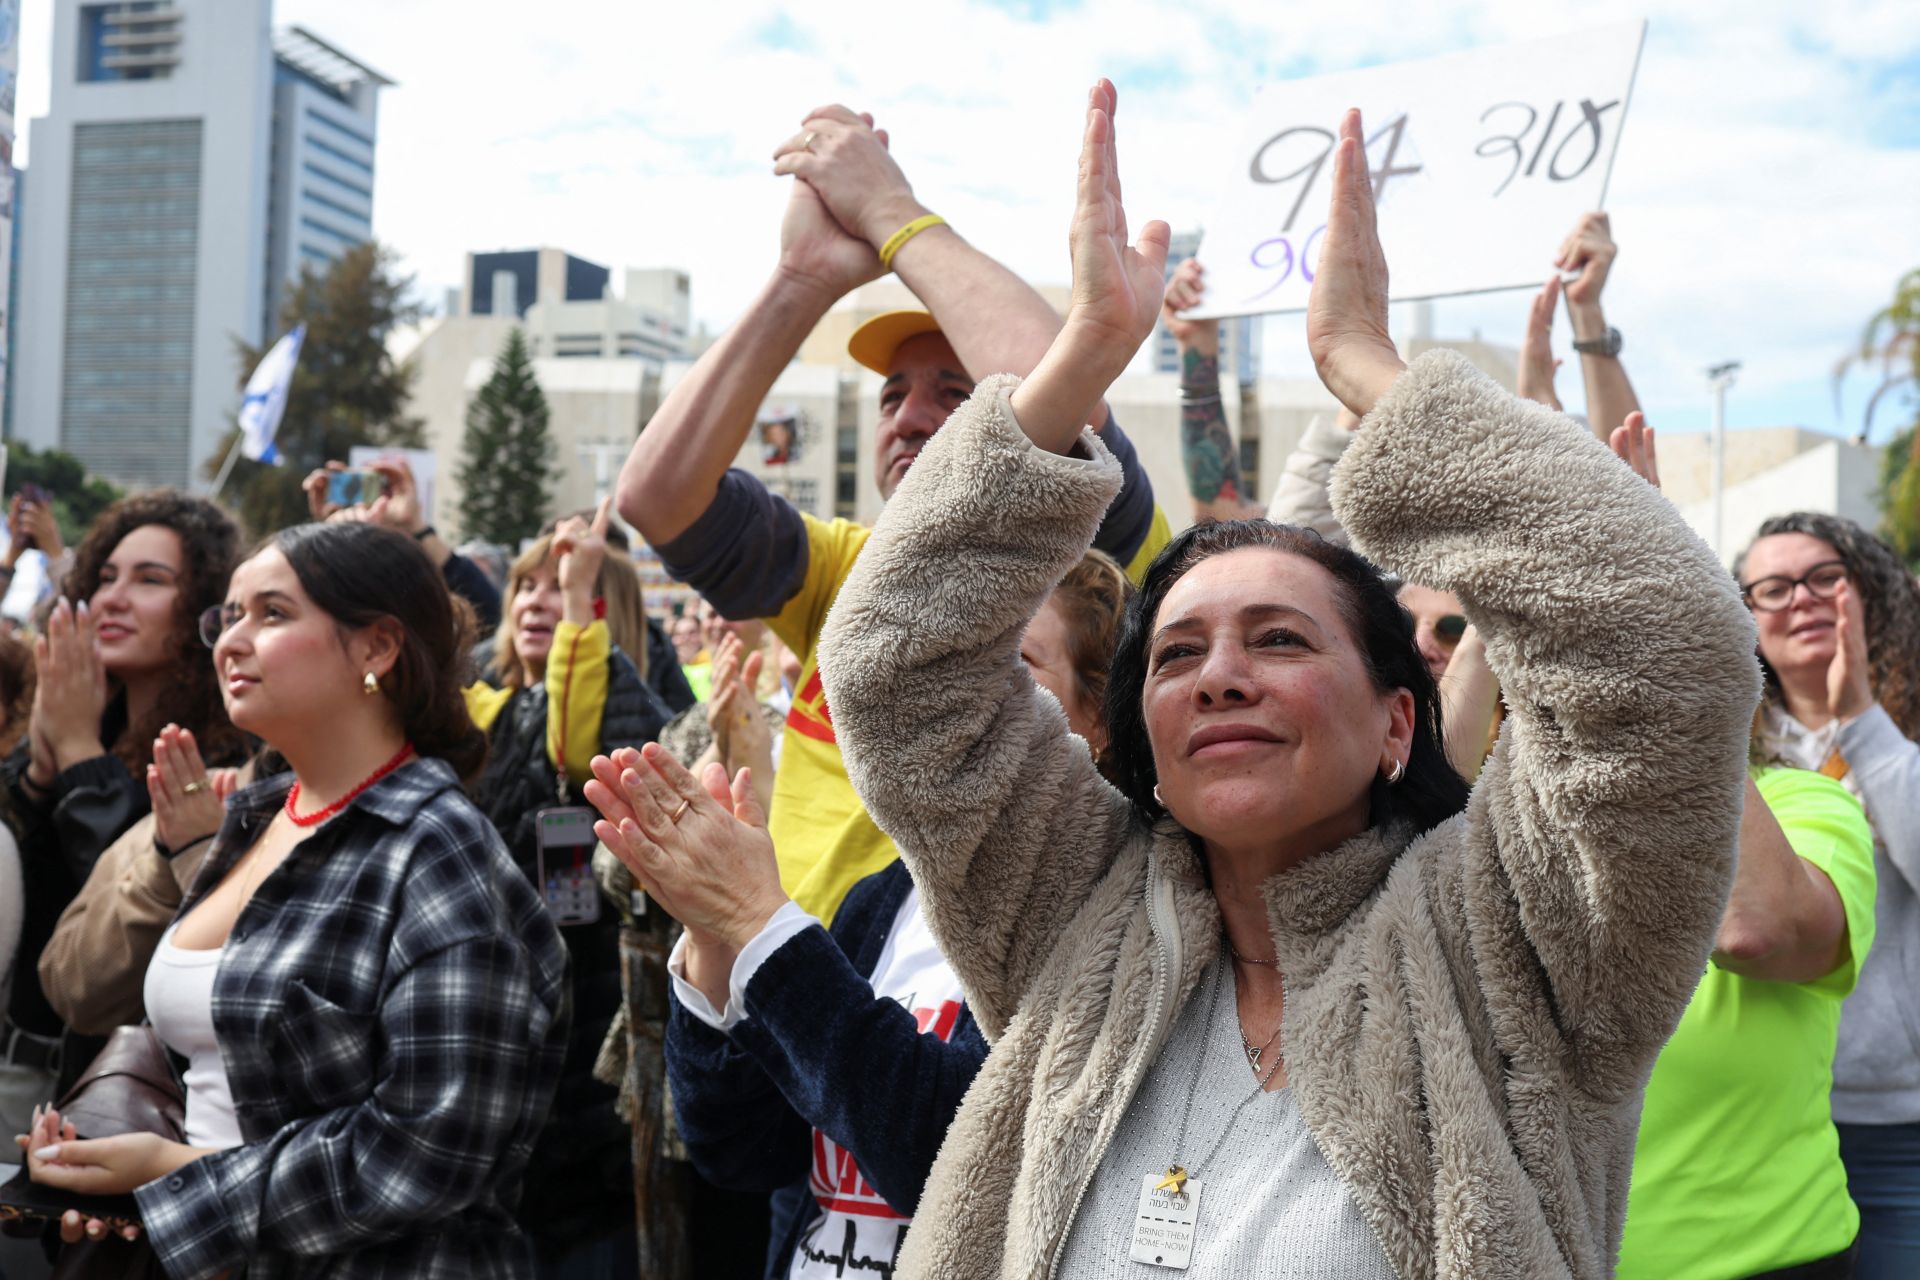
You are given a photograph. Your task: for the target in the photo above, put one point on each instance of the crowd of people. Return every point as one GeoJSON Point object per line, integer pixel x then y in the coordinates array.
{"type": "Point", "coordinates": [1444, 868]}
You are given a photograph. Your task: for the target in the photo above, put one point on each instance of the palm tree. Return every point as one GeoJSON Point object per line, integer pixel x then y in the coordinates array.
{"type": "Point", "coordinates": [1891, 343]}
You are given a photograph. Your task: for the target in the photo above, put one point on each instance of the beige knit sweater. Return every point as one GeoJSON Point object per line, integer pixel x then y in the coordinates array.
{"type": "Point", "coordinates": [1471, 1011]}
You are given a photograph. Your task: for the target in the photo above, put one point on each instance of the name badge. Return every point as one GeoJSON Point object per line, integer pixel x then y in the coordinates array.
{"type": "Point", "coordinates": [1164, 1224]}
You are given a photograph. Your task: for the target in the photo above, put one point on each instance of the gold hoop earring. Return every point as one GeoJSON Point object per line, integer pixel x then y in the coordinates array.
{"type": "Point", "coordinates": [371, 685]}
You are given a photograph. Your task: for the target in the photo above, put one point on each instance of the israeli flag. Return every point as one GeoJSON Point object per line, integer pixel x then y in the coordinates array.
{"type": "Point", "coordinates": [266, 398]}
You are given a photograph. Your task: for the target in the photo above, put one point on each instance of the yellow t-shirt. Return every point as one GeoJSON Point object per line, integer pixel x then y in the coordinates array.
{"type": "Point", "coordinates": [826, 841]}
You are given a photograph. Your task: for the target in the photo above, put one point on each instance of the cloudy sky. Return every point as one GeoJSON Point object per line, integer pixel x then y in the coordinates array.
{"type": "Point", "coordinates": [1766, 194]}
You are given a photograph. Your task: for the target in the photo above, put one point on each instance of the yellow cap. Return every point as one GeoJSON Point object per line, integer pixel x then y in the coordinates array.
{"type": "Point", "coordinates": [874, 342]}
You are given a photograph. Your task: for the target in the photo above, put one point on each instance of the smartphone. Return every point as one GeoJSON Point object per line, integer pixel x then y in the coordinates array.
{"type": "Point", "coordinates": [32, 495]}
{"type": "Point", "coordinates": [564, 841]}
{"type": "Point", "coordinates": [352, 487]}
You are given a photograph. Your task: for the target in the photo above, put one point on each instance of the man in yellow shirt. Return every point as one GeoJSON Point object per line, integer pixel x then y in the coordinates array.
{"type": "Point", "coordinates": [851, 217]}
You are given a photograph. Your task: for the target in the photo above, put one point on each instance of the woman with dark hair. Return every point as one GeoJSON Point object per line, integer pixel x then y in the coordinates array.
{"type": "Point", "coordinates": [370, 997]}
{"type": "Point", "coordinates": [1839, 621]}
{"type": "Point", "coordinates": [824, 1065]}
{"type": "Point", "coordinates": [1285, 999]}
{"type": "Point", "coordinates": [120, 660]}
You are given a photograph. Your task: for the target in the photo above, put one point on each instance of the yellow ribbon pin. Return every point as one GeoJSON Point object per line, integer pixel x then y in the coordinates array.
{"type": "Point", "coordinates": [1176, 1179]}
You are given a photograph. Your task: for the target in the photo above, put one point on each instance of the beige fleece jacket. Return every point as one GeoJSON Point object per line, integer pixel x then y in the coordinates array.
{"type": "Point", "coordinates": [1471, 1011]}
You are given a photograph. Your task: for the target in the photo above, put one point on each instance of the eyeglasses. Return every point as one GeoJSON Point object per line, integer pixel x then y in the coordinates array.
{"type": "Point", "coordinates": [1772, 594]}
{"type": "Point", "coordinates": [1448, 628]}
{"type": "Point", "coordinates": [214, 622]}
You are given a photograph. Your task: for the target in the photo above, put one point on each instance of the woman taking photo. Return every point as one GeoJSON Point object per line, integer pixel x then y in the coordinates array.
{"type": "Point", "coordinates": [369, 994]}
{"type": "Point", "coordinates": [1284, 998]}
{"type": "Point", "coordinates": [1839, 619]}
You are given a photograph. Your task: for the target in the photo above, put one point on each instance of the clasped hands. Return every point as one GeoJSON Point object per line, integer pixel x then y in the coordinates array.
{"type": "Point", "coordinates": [70, 695]}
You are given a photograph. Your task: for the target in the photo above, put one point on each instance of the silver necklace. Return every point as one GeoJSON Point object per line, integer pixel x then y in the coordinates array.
{"type": "Point", "coordinates": [1177, 1173]}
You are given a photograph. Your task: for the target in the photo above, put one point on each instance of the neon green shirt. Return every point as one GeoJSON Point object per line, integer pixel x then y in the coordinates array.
{"type": "Point", "coordinates": [1737, 1169]}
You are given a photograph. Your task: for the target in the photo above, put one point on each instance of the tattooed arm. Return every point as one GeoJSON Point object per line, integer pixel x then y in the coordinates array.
{"type": "Point", "coordinates": [1207, 448]}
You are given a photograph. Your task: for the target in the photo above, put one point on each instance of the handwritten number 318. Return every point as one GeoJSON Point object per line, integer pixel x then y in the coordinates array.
{"type": "Point", "coordinates": [1587, 127]}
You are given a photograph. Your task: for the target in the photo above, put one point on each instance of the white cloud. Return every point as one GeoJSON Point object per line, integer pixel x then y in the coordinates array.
{"type": "Point", "coordinates": [1763, 195]}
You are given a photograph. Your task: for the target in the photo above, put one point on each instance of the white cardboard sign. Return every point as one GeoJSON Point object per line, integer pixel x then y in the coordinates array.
{"type": "Point", "coordinates": [1482, 162]}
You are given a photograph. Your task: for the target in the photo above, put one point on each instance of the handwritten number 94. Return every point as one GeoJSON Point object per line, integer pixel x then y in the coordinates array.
{"type": "Point", "coordinates": [1318, 145]}
{"type": "Point", "coordinates": [1561, 167]}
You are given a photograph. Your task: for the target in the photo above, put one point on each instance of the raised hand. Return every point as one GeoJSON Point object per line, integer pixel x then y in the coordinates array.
{"type": "Point", "coordinates": [1633, 443]}
{"type": "Point", "coordinates": [1347, 308]}
{"type": "Point", "coordinates": [815, 247]}
{"type": "Point", "coordinates": [699, 847]}
{"type": "Point", "coordinates": [1185, 291]}
{"type": "Point", "coordinates": [399, 507]}
{"type": "Point", "coordinates": [1850, 674]}
{"type": "Point", "coordinates": [1589, 250]}
{"type": "Point", "coordinates": [580, 548]}
{"type": "Point", "coordinates": [1117, 286]}
{"type": "Point", "coordinates": [189, 802]}
{"type": "Point", "coordinates": [71, 694]}
{"type": "Point", "coordinates": [843, 157]}
{"type": "Point", "coordinates": [1117, 289]}
{"type": "Point", "coordinates": [1537, 362]}
{"type": "Point", "coordinates": [315, 487]}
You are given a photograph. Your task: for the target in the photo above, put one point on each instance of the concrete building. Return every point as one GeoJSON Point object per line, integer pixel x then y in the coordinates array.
{"type": "Point", "coordinates": [168, 208]}
{"type": "Point", "coordinates": [508, 281]}
{"type": "Point", "coordinates": [649, 323]}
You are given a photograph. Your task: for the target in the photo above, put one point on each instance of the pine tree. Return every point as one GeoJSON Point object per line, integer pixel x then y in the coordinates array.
{"type": "Point", "coordinates": [346, 391]}
{"type": "Point", "coordinates": [506, 457]}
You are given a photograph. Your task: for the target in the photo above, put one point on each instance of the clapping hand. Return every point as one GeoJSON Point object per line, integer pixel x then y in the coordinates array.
{"type": "Point", "coordinates": [732, 710]}
{"type": "Point", "coordinates": [1850, 673]}
{"type": "Point", "coordinates": [1117, 291]}
{"type": "Point", "coordinates": [1537, 362]}
{"type": "Point", "coordinates": [699, 847]}
{"type": "Point", "coordinates": [1632, 442]}
{"type": "Point", "coordinates": [70, 696]}
{"type": "Point", "coordinates": [189, 800]}
{"type": "Point", "coordinates": [1347, 309]}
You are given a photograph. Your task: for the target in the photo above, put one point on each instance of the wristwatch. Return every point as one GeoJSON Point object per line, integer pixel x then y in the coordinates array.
{"type": "Point", "coordinates": [1608, 346]}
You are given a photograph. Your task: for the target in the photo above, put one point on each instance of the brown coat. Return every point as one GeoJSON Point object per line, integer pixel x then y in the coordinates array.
{"type": "Point", "coordinates": [1472, 1011]}
{"type": "Point", "coordinates": [94, 968]}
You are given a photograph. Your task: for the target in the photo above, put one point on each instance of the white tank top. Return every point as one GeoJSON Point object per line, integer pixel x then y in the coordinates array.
{"type": "Point", "coordinates": [179, 996]}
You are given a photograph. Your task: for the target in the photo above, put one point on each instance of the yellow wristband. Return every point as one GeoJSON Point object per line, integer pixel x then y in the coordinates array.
{"type": "Point", "coordinates": [906, 233]}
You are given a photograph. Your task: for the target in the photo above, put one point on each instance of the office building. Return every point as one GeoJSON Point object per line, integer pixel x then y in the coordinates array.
{"type": "Point", "coordinates": [192, 162]}
{"type": "Point", "coordinates": [1239, 335]}
{"type": "Point", "coordinates": [508, 281]}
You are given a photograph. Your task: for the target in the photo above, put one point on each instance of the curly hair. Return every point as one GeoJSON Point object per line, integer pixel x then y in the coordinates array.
{"type": "Point", "coordinates": [210, 547]}
{"type": "Point", "coordinates": [1889, 598]}
{"type": "Point", "coordinates": [1092, 600]}
{"type": "Point", "coordinates": [17, 679]}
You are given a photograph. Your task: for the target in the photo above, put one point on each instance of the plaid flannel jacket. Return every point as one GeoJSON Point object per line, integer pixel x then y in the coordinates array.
{"type": "Point", "coordinates": [392, 1010]}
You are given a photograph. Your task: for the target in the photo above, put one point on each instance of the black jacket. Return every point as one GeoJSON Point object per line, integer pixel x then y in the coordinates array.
{"type": "Point", "coordinates": [580, 1179]}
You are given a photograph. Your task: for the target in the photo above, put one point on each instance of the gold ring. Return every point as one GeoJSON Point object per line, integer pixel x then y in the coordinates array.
{"type": "Point", "coordinates": [196, 786]}
{"type": "Point", "coordinates": [807, 143]}
{"type": "Point", "coordinates": [680, 812]}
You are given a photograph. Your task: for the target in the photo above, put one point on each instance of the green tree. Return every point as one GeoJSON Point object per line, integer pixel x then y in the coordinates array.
{"type": "Point", "coordinates": [506, 457]}
{"type": "Point", "coordinates": [1891, 344]}
{"type": "Point", "coordinates": [77, 497]}
{"type": "Point", "coordinates": [346, 391]}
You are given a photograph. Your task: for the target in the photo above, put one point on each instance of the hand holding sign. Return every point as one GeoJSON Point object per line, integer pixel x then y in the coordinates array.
{"type": "Point", "coordinates": [1474, 158]}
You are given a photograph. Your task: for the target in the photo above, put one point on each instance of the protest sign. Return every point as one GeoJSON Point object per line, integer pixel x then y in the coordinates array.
{"type": "Point", "coordinates": [1481, 161]}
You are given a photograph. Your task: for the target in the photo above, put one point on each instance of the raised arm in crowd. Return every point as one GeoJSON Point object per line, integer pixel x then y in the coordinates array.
{"type": "Point", "coordinates": [1464, 998]}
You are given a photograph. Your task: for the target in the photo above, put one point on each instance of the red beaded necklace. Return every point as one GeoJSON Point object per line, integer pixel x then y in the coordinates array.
{"type": "Point", "coordinates": [316, 818]}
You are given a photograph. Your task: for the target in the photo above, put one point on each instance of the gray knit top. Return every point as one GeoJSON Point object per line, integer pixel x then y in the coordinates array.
{"type": "Point", "coordinates": [1270, 1206]}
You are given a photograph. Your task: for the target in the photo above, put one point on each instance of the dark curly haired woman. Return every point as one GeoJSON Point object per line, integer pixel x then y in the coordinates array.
{"type": "Point", "coordinates": [120, 659]}
{"type": "Point", "coordinates": [1839, 618]}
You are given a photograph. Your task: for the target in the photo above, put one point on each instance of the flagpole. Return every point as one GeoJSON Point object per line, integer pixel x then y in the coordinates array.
{"type": "Point", "coordinates": [226, 469]}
